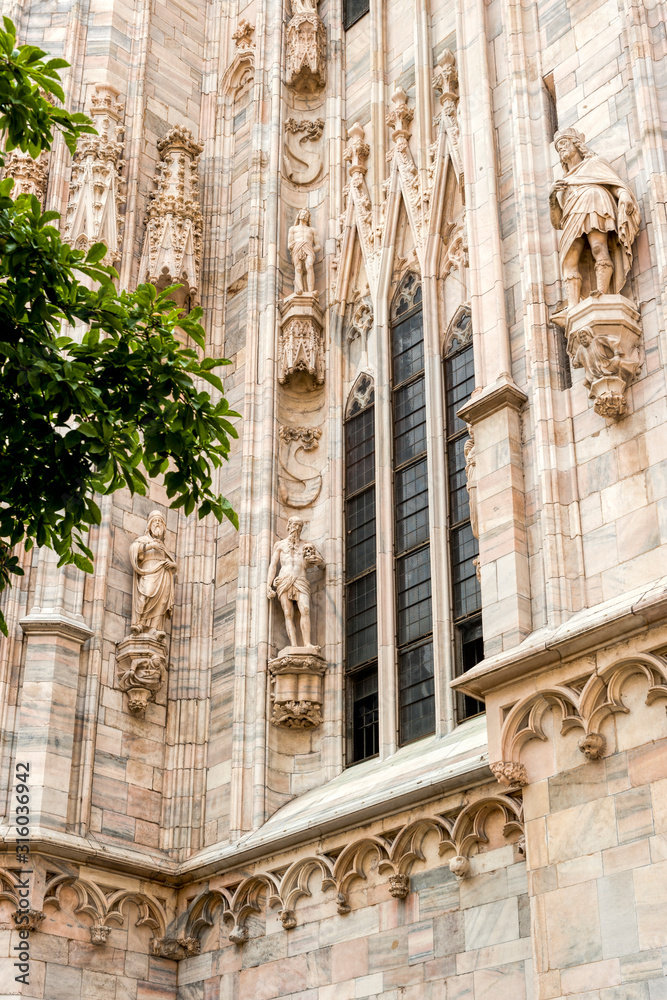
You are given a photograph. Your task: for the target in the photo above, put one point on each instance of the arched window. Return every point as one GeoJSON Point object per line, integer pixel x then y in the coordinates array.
{"type": "Point", "coordinates": [412, 560]}
{"type": "Point", "coordinates": [463, 548]}
{"type": "Point", "coordinates": [360, 574]}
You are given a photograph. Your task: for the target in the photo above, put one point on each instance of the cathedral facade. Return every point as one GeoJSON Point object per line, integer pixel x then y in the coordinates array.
{"type": "Point", "coordinates": [402, 735]}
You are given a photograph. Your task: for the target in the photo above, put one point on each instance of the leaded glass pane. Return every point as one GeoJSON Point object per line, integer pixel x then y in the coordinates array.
{"type": "Point", "coordinates": [465, 585]}
{"type": "Point", "coordinates": [365, 713]}
{"type": "Point", "coordinates": [360, 533]}
{"type": "Point", "coordinates": [361, 620]}
{"type": "Point", "coordinates": [416, 693]}
{"type": "Point", "coordinates": [459, 384]}
{"type": "Point", "coordinates": [360, 450]}
{"type": "Point", "coordinates": [413, 585]}
{"type": "Point", "coordinates": [409, 421]}
{"type": "Point", "coordinates": [459, 509]}
{"type": "Point", "coordinates": [354, 9]}
{"type": "Point", "coordinates": [411, 491]}
{"type": "Point", "coordinates": [407, 344]}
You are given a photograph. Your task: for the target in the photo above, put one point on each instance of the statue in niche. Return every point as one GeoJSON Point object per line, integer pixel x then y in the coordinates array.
{"type": "Point", "coordinates": [291, 585]}
{"type": "Point", "coordinates": [154, 571]}
{"type": "Point", "coordinates": [592, 206]}
{"type": "Point", "coordinates": [302, 244]}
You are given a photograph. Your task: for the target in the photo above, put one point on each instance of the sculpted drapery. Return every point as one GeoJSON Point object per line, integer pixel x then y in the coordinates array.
{"type": "Point", "coordinates": [154, 570]}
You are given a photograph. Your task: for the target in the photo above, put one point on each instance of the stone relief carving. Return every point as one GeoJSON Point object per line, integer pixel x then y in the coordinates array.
{"type": "Point", "coordinates": [362, 317]}
{"type": "Point", "coordinates": [302, 158]}
{"type": "Point", "coordinates": [356, 154]}
{"type": "Point", "coordinates": [460, 834]}
{"type": "Point", "coordinates": [176, 948]}
{"type": "Point", "coordinates": [297, 689]}
{"type": "Point", "coordinates": [598, 218]}
{"type": "Point", "coordinates": [583, 706]}
{"type": "Point", "coordinates": [446, 85]}
{"type": "Point", "coordinates": [93, 211]}
{"type": "Point", "coordinates": [34, 918]}
{"type": "Point", "coordinates": [301, 342]}
{"type": "Point", "coordinates": [509, 774]}
{"type": "Point", "coordinates": [361, 395]}
{"type": "Point", "coordinates": [172, 244]}
{"type": "Point", "coordinates": [306, 47]}
{"type": "Point", "coordinates": [30, 176]}
{"type": "Point", "coordinates": [142, 656]}
{"type": "Point", "coordinates": [299, 485]}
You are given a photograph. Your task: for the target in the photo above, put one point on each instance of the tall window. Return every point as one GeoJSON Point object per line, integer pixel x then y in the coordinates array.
{"type": "Point", "coordinates": [463, 547]}
{"type": "Point", "coordinates": [361, 587]}
{"type": "Point", "coordinates": [416, 687]}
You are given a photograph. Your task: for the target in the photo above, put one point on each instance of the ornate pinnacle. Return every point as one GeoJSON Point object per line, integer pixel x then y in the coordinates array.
{"type": "Point", "coordinates": [358, 150]}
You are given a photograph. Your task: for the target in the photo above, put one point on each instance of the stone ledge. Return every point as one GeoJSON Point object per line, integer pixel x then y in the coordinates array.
{"type": "Point", "coordinates": [501, 394]}
{"type": "Point", "coordinates": [585, 631]}
{"type": "Point", "coordinates": [40, 622]}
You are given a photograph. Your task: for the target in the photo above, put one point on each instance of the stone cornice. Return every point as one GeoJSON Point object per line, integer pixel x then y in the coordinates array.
{"type": "Point", "coordinates": [582, 633]}
{"type": "Point", "coordinates": [501, 394]}
{"type": "Point", "coordinates": [55, 623]}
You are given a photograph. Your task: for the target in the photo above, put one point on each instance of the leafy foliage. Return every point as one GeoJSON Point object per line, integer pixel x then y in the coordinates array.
{"type": "Point", "coordinates": [122, 405]}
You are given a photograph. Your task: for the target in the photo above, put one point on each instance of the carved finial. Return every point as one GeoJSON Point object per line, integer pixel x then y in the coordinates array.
{"type": "Point", "coordinates": [400, 118]}
{"type": "Point", "coordinates": [357, 151]}
{"type": "Point", "coordinates": [243, 36]}
{"type": "Point", "coordinates": [446, 79]}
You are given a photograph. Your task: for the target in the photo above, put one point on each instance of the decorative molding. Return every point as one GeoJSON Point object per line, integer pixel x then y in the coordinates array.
{"type": "Point", "coordinates": [399, 121]}
{"type": "Point", "coordinates": [106, 906]}
{"type": "Point", "coordinates": [362, 394]}
{"type": "Point", "coordinates": [141, 668]}
{"type": "Point", "coordinates": [30, 176]}
{"type": "Point", "coordinates": [302, 158]}
{"type": "Point", "coordinates": [361, 322]}
{"type": "Point", "coordinates": [35, 918]}
{"type": "Point", "coordinates": [243, 36]}
{"type": "Point", "coordinates": [173, 241]}
{"type": "Point", "coordinates": [93, 211]}
{"type": "Point", "coordinates": [584, 706]}
{"type": "Point", "coordinates": [459, 833]}
{"type": "Point", "coordinates": [306, 46]}
{"type": "Point", "coordinates": [356, 154]}
{"type": "Point", "coordinates": [175, 948]}
{"type": "Point", "coordinates": [301, 340]}
{"type": "Point", "coordinates": [297, 689]}
{"type": "Point", "coordinates": [44, 622]}
{"type": "Point", "coordinates": [446, 85]}
{"type": "Point", "coordinates": [298, 485]}
{"type": "Point", "coordinates": [497, 396]}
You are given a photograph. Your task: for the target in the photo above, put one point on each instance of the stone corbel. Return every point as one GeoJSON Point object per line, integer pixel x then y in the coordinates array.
{"type": "Point", "coordinates": [301, 340]}
{"type": "Point", "coordinates": [173, 241]}
{"type": "Point", "coordinates": [306, 43]}
{"type": "Point", "coordinates": [175, 948]}
{"type": "Point", "coordinates": [141, 668]}
{"type": "Point", "coordinates": [603, 337]}
{"type": "Point", "coordinates": [297, 689]}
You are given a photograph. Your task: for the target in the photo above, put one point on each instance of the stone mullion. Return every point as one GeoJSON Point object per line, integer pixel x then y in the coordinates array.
{"type": "Point", "coordinates": [562, 576]}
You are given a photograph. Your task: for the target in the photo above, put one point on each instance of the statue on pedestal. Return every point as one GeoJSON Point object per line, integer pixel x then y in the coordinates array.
{"type": "Point", "coordinates": [599, 218]}
{"type": "Point", "coordinates": [302, 244]}
{"type": "Point", "coordinates": [154, 571]}
{"type": "Point", "coordinates": [291, 585]}
{"type": "Point", "coordinates": [592, 207]}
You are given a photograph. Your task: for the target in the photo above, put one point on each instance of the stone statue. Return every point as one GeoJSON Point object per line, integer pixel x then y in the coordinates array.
{"type": "Point", "coordinates": [305, 7]}
{"type": "Point", "coordinates": [471, 479]}
{"type": "Point", "coordinates": [592, 206]}
{"type": "Point", "coordinates": [302, 244]}
{"type": "Point", "coordinates": [154, 571]}
{"type": "Point", "coordinates": [291, 585]}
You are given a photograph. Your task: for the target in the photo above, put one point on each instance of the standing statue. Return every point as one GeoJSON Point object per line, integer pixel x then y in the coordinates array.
{"type": "Point", "coordinates": [302, 244]}
{"type": "Point", "coordinates": [291, 585]}
{"type": "Point", "coordinates": [592, 206]}
{"type": "Point", "coordinates": [154, 571]}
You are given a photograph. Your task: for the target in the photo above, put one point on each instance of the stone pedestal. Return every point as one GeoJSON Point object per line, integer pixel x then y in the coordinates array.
{"type": "Point", "coordinates": [297, 687]}
{"type": "Point", "coordinates": [603, 336]}
{"type": "Point", "coordinates": [141, 667]}
{"type": "Point", "coordinates": [306, 43]}
{"type": "Point", "coordinates": [301, 343]}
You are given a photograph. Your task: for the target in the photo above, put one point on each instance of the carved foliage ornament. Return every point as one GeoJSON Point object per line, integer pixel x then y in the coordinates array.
{"type": "Point", "coordinates": [299, 484]}
{"type": "Point", "coordinates": [30, 176]}
{"type": "Point", "coordinates": [173, 241]}
{"type": "Point", "coordinates": [460, 834]}
{"type": "Point", "coordinates": [243, 36]}
{"type": "Point", "coordinates": [93, 211]}
{"type": "Point", "coordinates": [302, 160]}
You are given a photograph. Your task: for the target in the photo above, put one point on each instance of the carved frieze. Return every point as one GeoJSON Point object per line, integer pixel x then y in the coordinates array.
{"type": "Point", "coordinates": [172, 243]}
{"type": "Point", "coordinates": [306, 44]}
{"type": "Point", "coordinates": [302, 157]}
{"type": "Point", "coordinates": [93, 211]}
{"type": "Point", "coordinates": [30, 176]}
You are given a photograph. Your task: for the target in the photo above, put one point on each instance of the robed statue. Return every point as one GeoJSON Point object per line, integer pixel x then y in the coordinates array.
{"type": "Point", "coordinates": [154, 570]}
{"type": "Point", "coordinates": [594, 209]}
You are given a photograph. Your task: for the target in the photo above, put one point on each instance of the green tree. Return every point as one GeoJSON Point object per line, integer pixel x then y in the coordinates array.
{"type": "Point", "coordinates": [121, 406]}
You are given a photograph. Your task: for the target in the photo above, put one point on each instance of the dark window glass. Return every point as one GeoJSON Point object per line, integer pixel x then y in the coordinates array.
{"type": "Point", "coordinates": [458, 494]}
{"type": "Point", "coordinates": [365, 717]}
{"type": "Point", "coordinates": [411, 496]}
{"type": "Point", "coordinates": [459, 384]}
{"type": "Point", "coordinates": [416, 692]}
{"type": "Point", "coordinates": [409, 421]}
{"type": "Point", "coordinates": [470, 651]}
{"type": "Point", "coordinates": [463, 550]}
{"type": "Point", "coordinates": [361, 620]}
{"type": "Point", "coordinates": [407, 340]}
{"type": "Point", "coordinates": [360, 532]}
{"type": "Point", "coordinates": [360, 451]}
{"type": "Point", "coordinates": [413, 586]}
{"type": "Point", "coordinates": [354, 9]}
